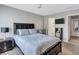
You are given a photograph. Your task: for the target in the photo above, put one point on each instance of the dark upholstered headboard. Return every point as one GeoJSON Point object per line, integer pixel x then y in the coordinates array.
{"type": "Point", "coordinates": [22, 26]}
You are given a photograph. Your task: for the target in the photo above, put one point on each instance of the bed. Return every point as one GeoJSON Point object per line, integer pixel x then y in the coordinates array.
{"type": "Point", "coordinates": [36, 44]}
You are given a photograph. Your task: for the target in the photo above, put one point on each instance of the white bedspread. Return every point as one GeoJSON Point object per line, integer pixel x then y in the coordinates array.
{"type": "Point", "coordinates": [35, 43]}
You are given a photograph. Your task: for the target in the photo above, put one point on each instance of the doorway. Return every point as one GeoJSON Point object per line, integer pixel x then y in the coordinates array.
{"type": "Point", "coordinates": [71, 47]}
{"type": "Point", "coordinates": [73, 25]}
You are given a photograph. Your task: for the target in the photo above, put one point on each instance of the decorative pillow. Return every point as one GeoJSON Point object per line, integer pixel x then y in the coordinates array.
{"type": "Point", "coordinates": [22, 32]}
{"type": "Point", "coordinates": [32, 31]}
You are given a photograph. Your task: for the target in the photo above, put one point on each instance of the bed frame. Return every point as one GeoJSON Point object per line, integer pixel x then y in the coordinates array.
{"type": "Point", "coordinates": [53, 50]}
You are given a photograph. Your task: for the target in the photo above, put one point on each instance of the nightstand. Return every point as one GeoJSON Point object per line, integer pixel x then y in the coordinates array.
{"type": "Point", "coordinates": [6, 45]}
{"type": "Point", "coordinates": [41, 31]}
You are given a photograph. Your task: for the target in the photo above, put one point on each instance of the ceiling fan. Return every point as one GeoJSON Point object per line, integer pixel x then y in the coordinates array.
{"type": "Point", "coordinates": [40, 6]}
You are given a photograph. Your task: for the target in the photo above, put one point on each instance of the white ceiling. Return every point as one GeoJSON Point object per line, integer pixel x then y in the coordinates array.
{"type": "Point", "coordinates": [47, 9]}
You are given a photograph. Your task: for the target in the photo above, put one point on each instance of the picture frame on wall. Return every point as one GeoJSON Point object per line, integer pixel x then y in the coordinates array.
{"type": "Point", "coordinates": [76, 25]}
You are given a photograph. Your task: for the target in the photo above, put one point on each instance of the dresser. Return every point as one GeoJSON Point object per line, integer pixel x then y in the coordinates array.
{"type": "Point", "coordinates": [6, 45]}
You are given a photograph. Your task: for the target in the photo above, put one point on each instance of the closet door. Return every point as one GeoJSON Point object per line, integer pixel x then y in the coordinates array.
{"type": "Point", "coordinates": [51, 26]}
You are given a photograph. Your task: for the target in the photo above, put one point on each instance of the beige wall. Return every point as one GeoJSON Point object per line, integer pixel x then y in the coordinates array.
{"type": "Point", "coordinates": [9, 15]}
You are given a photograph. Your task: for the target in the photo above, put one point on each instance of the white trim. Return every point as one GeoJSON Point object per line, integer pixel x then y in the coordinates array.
{"type": "Point", "coordinates": [73, 14]}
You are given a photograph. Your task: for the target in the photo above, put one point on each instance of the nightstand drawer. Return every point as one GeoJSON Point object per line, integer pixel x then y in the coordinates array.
{"type": "Point", "coordinates": [1, 47]}
{"type": "Point", "coordinates": [6, 45]}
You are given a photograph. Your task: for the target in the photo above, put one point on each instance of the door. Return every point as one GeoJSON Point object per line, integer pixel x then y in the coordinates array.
{"type": "Point", "coordinates": [51, 26]}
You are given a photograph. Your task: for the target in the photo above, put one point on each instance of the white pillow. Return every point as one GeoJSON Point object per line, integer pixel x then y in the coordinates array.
{"type": "Point", "coordinates": [32, 31]}
{"type": "Point", "coordinates": [22, 32]}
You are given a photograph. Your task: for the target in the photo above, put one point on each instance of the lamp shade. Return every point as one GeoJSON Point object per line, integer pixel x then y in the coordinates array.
{"type": "Point", "coordinates": [4, 29]}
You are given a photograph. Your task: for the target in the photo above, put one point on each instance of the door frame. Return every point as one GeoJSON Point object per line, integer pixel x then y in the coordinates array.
{"type": "Point", "coordinates": [68, 26]}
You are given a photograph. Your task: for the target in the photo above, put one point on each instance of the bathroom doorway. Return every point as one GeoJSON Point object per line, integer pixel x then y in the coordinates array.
{"type": "Point", "coordinates": [73, 28]}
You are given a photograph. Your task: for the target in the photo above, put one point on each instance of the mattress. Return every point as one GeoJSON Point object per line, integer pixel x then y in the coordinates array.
{"type": "Point", "coordinates": [35, 44]}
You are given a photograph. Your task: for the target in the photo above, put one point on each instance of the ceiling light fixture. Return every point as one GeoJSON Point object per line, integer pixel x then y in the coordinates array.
{"type": "Point", "coordinates": [40, 6]}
